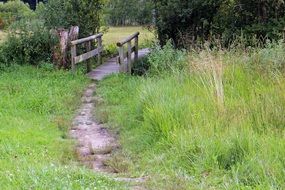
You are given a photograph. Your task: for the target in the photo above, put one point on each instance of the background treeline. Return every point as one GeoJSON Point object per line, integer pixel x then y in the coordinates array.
{"type": "Point", "coordinates": [224, 19]}
{"type": "Point", "coordinates": [129, 12]}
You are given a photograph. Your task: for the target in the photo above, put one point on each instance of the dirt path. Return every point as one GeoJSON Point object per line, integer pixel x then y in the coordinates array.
{"type": "Point", "coordinates": [95, 143]}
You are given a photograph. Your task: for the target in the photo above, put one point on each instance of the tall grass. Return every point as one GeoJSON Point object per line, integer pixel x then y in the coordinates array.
{"type": "Point", "coordinates": [218, 123]}
{"type": "Point", "coordinates": [36, 108]}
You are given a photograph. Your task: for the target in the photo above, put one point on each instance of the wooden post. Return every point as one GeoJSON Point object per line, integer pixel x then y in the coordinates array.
{"type": "Point", "coordinates": [99, 50]}
{"type": "Point", "coordinates": [136, 48]}
{"type": "Point", "coordinates": [121, 58]}
{"type": "Point", "coordinates": [127, 67]}
{"type": "Point", "coordinates": [72, 35]}
{"type": "Point", "coordinates": [88, 62]}
{"type": "Point", "coordinates": [73, 55]}
{"type": "Point", "coordinates": [129, 59]}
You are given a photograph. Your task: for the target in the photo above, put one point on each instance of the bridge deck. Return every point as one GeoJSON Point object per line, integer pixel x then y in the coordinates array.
{"type": "Point", "coordinates": [111, 66]}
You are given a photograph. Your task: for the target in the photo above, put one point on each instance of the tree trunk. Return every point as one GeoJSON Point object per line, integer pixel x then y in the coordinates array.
{"type": "Point", "coordinates": [61, 57]}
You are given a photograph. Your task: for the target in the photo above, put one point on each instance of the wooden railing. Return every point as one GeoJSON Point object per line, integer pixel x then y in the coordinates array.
{"type": "Point", "coordinates": [126, 65]}
{"type": "Point", "coordinates": [75, 59]}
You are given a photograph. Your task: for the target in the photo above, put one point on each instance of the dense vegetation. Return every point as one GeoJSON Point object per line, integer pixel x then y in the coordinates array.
{"type": "Point", "coordinates": [207, 120]}
{"type": "Point", "coordinates": [199, 20]}
{"type": "Point", "coordinates": [30, 40]}
{"type": "Point", "coordinates": [13, 11]}
{"type": "Point", "coordinates": [129, 12]}
{"type": "Point", "coordinates": [65, 13]}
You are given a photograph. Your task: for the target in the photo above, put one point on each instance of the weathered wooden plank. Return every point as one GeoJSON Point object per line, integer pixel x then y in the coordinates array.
{"type": "Point", "coordinates": [88, 64]}
{"type": "Point", "coordinates": [90, 38]}
{"type": "Point", "coordinates": [121, 55]}
{"type": "Point", "coordinates": [129, 57]}
{"type": "Point", "coordinates": [73, 55]}
{"type": "Point", "coordinates": [121, 43]}
{"type": "Point", "coordinates": [111, 66]}
{"type": "Point", "coordinates": [136, 48]}
{"type": "Point", "coordinates": [87, 55]}
{"type": "Point", "coordinates": [100, 47]}
{"type": "Point", "coordinates": [125, 54]}
{"type": "Point", "coordinates": [126, 66]}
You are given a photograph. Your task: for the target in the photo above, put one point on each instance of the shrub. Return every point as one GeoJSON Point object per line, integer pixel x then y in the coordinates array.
{"type": "Point", "coordinates": [65, 13]}
{"type": "Point", "coordinates": [29, 41]}
{"type": "Point", "coordinates": [166, 59]}
{"type": "Point", "coordinates": [200, 20]}
{"type": "Point", "coordinates": [13, 11]}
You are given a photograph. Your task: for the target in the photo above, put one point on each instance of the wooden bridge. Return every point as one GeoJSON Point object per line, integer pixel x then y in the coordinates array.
{"type": "Point", "coordinates": [128, 54]}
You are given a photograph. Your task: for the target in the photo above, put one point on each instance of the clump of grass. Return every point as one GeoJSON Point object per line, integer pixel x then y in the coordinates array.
{"type": "Point", "coordinates": [174, 128]}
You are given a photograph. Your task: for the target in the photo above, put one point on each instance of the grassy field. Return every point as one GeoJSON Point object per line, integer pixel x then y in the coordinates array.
{"type": "Point", "coordinates": [217, 122]}
{"type": "Point", "coordinates": [37, 106]}
{"type": "Point", "coordinates": [36, 109]}
{"type": "Point", "coordinates": [116, 34]}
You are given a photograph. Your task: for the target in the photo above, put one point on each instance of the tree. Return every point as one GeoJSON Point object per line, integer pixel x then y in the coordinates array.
{"type": "Point", "coordinates": [129, 12]}
{"type": "Point", "coordinates": [174, 19]}
{"type": "Point", "coordinates": [66, 13]}
{"type": "Point", "coordinates": [182, 20]}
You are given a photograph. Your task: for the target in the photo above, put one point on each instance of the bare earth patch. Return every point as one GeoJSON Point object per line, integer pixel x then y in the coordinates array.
{"type": "Point", "coordinates": [95, 142]}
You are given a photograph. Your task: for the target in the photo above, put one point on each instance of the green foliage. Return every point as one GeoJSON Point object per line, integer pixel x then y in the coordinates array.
{"type": "Point", "coordinates": [129, 12]}
{"type": "Point", "coordinates": [28, 42]}
{"type": "Point", "coordinates": [65, 13]}
{"type": "Point", "coordinates": [175, 19]}
{"type": "Point", "coordinates": [166, 59]}
{"type": "Point", "coordinates": [13, 11]}
{"type": "Point", "coordinates": [217, 125]}
{"type": "Point", "coordinates": [36, 110]}
{"type": "Point", "coordinates": [186, 22]}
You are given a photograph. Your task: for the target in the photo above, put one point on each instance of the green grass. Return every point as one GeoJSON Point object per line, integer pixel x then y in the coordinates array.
{"type": "Point", "coordinates": [216, 124]}
{"type": "Point", "coordinates": [36, 111]}
{"type": "Point", "coordinates": [116, 34]}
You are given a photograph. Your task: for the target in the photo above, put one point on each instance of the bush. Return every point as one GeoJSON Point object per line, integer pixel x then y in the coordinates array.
{"type": "Point", "coordinates": [200, 20]}
{"type": "Point", "coordinates": [166, 60]}
{"type": "Point", "coordinates": [29, 42]}
{"type": "Point", "coordinates": [13, 11]}
{"type": "Point", "coordinates": [66, 13]}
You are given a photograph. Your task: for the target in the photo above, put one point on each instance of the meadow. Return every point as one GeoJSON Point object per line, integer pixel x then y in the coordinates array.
{"type": "Point", "coordinates": [116, 34]}
{"type": "Point", "coordinates": [37, 105]}
{"type": "Point", "coordinates": [193, 120]}
{"type": "Point", "coordinates": [207, 120]}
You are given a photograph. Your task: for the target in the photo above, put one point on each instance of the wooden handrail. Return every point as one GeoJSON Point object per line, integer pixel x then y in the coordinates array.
{"type": "Point", "coordinates": [83, 40]}
{"type": "Point", "coordinates": [121, 43]}
{"type": "Point", "coordinates": [131, 48]}
{"type": "Point", "coordinates": [89, 54]}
